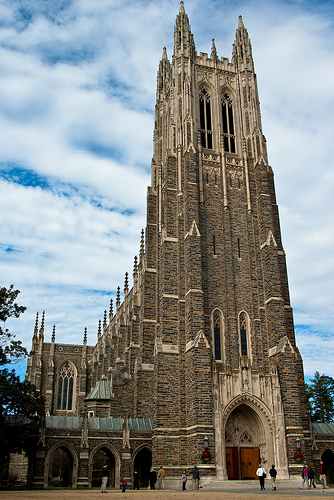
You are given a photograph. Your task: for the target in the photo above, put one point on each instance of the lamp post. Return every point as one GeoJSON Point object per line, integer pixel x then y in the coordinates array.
{"type": "Point", "coordinates": [206, 443]}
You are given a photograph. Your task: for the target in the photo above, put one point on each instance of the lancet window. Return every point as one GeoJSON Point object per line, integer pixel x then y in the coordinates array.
{"type": "Point", "coordinates": [228, 124]}
{"type": "Point", "coordinates": [66, 376]}
{"type": "Point", "coordinates": [243, 325]}
{"type": "Point", "coordinates": [218, 335]}
{"type": "Point", "coordinates": [205, 119]}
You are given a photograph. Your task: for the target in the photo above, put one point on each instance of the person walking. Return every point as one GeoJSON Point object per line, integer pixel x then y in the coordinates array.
{"type": "Point", "coordinates": [161, 478]}
{"type": "Point", "coordinates": [304, 477]}
{"type": "Point", "coordinates": [123, 484]}
{"type": "Point", "coordinates": [273, 474]}
{"type": "Point", "coordinates": [105, 474]}
{"type": "Point", "coordinates": [184, 480]}
{"type": "Point", "coordinates": [195, 473]}
{"type": "Point", "coordinates": [261, 474]}
{"type": "Point", "coordinates": [311, 475]}
{"type": "Point", "coordinates": [153, 478]}
{"type": "Point", "coordinates": [136, 480]}
{"type": "Point", "coordinates": [322, 476]}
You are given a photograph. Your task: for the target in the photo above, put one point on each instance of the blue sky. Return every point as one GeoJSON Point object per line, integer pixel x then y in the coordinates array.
{"type": "Point", "coordinates": [77, 96]}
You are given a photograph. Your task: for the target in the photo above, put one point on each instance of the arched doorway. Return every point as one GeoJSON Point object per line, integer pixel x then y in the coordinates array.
{"type": "Point", "coordinates": [60, 471]}
{"type": "Point", "coordinates": [328, 459]}
{"type": "Point", "coordinates": [245, 443]}
{"type": "Point", "coordinates": [102, 456]}
{"type": "Point", "coordinates": [142, 463]}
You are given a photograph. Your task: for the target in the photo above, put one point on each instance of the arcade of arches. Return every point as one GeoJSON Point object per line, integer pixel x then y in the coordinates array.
{"type": "Point", "coordinates": [60, 470]}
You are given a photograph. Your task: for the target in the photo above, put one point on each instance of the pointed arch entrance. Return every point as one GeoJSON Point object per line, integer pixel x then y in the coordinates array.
{"type": "Point", "coordinates": [142, 463]}
{"type": "Point", "coordinates": [328, 459]}
{"type": "Point", "coordinates": [248, 441]}
{"type": "Point", "coordinates": [103, 454]}
{"type": "Point", "coordinates": [61, 467]}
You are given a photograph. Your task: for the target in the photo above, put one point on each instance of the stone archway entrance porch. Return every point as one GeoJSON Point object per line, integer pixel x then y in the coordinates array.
{"type": "Point", "coordinates": [244, 437]}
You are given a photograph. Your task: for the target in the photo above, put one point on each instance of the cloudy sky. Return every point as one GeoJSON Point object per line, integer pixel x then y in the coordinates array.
{"type": "Point", "coordinates": [77, 96]}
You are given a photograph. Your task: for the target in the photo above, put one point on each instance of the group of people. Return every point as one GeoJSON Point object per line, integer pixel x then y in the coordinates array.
{"type": "Point", "coordinates": [154, 479]}
{"type": "Point", "coordinates": [157, 479]}
{"type": "Point", "coordinates": [308, 476]}
{"type": "Point", "coordinates": [261, 474]}
{"type": "Point", "coordinates": [160, 479]}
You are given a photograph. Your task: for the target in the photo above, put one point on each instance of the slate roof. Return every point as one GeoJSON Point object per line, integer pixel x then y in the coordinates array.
{"type": "Point", "coordinates": [320, 428]}
{"type": "Point", "coordinates": [99, 424]}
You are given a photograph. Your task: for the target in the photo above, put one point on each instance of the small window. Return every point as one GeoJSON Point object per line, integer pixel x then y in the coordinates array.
{"type": "Point", "coordinates": [239, 251]}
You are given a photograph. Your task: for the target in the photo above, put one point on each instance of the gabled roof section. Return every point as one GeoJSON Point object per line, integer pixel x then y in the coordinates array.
{"type": "Point", "coordinates": [102, 391]}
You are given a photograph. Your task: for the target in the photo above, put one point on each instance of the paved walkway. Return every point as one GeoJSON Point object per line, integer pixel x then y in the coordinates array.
{"type": "Point", "coordinates": [229, 490]}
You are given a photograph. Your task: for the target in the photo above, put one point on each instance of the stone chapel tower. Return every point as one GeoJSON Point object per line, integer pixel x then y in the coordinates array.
{"type": "Point", "coordinates": [226, 365]}
{"type": "Point", "coordinates": [199, 362]}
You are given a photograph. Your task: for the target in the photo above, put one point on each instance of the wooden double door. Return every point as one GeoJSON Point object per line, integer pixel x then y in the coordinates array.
{"type": "Point", "coordinates": [242, 462]}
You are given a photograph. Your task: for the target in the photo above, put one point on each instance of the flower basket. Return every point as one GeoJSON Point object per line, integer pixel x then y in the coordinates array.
{"type": "Point", "coordinates": [206, 457]}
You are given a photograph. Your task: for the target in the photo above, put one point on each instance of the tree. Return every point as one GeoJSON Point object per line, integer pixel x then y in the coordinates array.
{"type": "Point", "coordinates": [10, 348]}
{"type": "Point", "coordinates": [320, 393]}
{"type": "Point", "coordinates": [21, 406]}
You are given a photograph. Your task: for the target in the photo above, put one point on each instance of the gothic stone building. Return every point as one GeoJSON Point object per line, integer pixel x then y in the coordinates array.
{"type": "Point", "coordinates": [198, 364]}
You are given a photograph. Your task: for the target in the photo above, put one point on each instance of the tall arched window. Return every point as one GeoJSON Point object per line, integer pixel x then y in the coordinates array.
{"type": "Point", "coordinates": [205, 119]}
{"type": "Point", "coordinates": [243, 325]}
{"type": "Point", "coordinates": [65, 387]}
{"type": "Point", "coordinates": [228, 124]}
{"type": "Point", "coordinates": [218, 346]}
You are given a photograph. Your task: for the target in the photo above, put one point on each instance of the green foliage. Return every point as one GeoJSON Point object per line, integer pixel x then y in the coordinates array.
{"type": "Point", "coordinates": [10, 348]}
{"type": "Point", "coordinates": [320, 393]}
{"type": "Point", "coordinates": [21, 406]}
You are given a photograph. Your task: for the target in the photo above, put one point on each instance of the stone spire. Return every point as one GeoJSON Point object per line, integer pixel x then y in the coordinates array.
{"type": "Point", "coordinates": [35, 336]}
{"type": "Point", "coordinates": [111, 310]}
{"type": "Point", "coordinates": [53, 338]}
{"type": "Point", "coordinates": [126, 284]}
{"type": "Point", "coordinates": [118, 297]}
{"type": "Point", "coordinates": [135, 265]}
{"type": "Point", "coordinates": [105, 320]}
{"type": "Point", "coordinates": [183, 39]}
{"type": "Point", "coordinates": [52, 348]}
{"type": "Point", "coordinates": [99, 331]}
{"type": "Point", "coordinates": [41, 331]}
{"type": "Point", "coordinates": [84, 351]}
{"type": "Point", "coordinates": [242, 49]}
{"type": "Point", "coordinates": [214, 55]}
{"type": "Point", "coordinates": [142, 246]}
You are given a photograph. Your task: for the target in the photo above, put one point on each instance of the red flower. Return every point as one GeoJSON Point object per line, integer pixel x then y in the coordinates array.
{"type": "Point", "coordinates": [298, 454]}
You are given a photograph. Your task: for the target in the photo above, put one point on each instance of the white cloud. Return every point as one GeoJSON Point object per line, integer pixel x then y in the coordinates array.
{"type": "Point", "coordinates": [77, 94]}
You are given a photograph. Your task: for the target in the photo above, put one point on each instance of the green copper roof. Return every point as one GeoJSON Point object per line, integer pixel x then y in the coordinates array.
{"type": "Point", "coordinates": [98, 423]}
{"type": "Point", "coordinates": [61, 422]}
{"type": "Point", "coordinates": [102, 390]}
